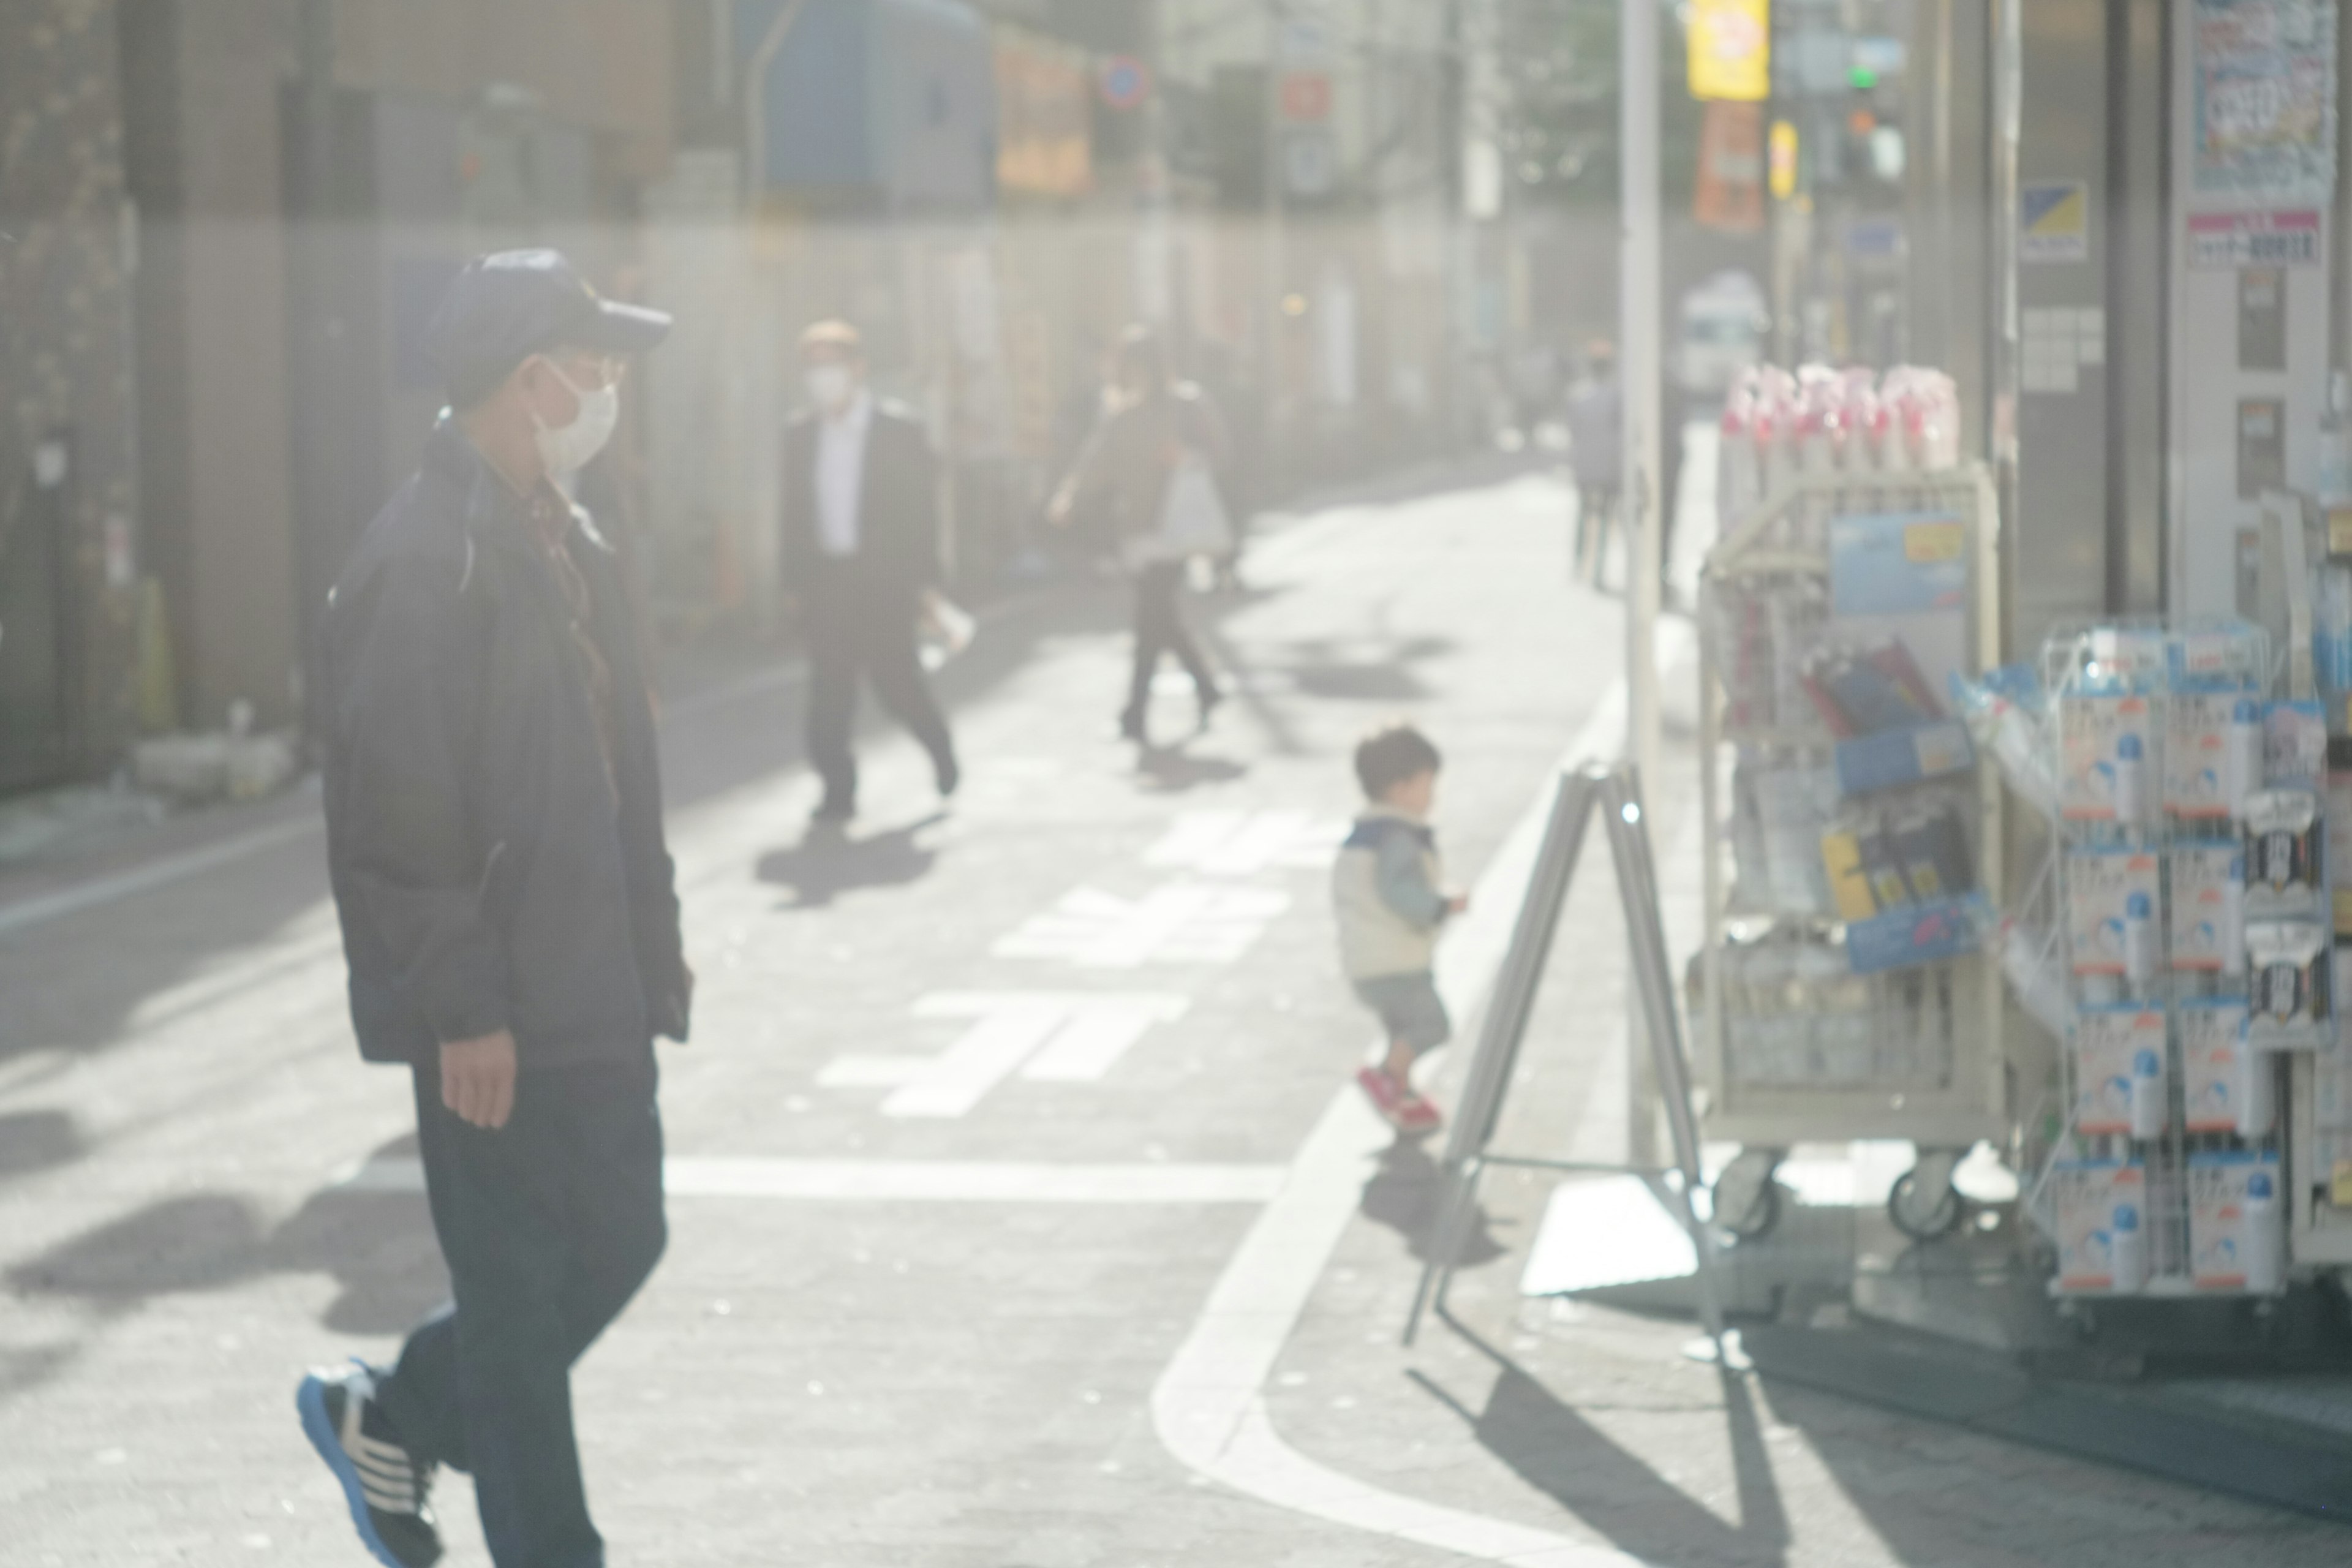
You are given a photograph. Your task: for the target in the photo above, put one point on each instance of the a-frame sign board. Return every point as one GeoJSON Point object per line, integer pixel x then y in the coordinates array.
{"type": "Point", "coordinates": [1615, 794]}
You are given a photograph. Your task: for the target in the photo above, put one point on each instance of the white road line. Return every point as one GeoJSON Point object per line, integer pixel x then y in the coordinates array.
{"type": "Point", "coordinates": [1057, 1036]}
{"type": "Point", "coordinates": [1182, 923]}
{"type": "Point", "coordinates": [1207, 1406]}
{"type": "Point", "coordinates": [153, 874]}
{"type": "Point", "coordinates": [910, 1181]}
{"type": "Point", "coordinates": [1245, 844]}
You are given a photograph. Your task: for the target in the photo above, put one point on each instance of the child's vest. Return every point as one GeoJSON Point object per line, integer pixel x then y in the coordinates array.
{"type": "Point", "coordinates": [1375, 939]}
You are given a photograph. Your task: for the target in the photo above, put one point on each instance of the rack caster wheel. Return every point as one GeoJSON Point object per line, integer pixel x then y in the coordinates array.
{"type": "Point", "coordinates": [1924, 1210]}
{"type": "Point", "coordinates": [1746, 1198]}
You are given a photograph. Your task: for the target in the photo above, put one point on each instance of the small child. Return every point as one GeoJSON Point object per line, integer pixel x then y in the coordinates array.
{"type": "Point", "coordinates": [1386, 893]}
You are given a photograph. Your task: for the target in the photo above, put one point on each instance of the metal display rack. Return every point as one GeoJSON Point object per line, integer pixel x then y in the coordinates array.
{"type": "Point", "coordinates": [1909, 1043]}
{"type": "Point", "coordinates": [2299, 542]}
{"type": "Point", "coordinates": [2167, 1178]}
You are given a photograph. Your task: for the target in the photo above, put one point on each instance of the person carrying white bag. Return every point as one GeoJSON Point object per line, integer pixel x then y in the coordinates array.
{"type": "Point", "coordinates": [1154, 457]}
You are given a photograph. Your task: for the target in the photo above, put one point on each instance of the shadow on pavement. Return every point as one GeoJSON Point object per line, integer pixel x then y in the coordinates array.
{"type": "Point", "coordinates": [1171, 769]}
{"type": "Point", "coordinates": [829, 861]}
{"type": "Point", "coordinates": [378, 1246]}
{"type": "Point", "coordinates": [1555, 1451]}
{"type": "Point", "coordinates": [34, 1141]}
{"type": "Point", "coordinates": [1403, 1196]}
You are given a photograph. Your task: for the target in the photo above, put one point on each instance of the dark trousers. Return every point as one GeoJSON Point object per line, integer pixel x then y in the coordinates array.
{"type": "Point", "coordinates": [548, 1225]}
{"type": "Point", "coordinates": [857, 629]}
{"type": "Point", "coordinates": [1159, 628]}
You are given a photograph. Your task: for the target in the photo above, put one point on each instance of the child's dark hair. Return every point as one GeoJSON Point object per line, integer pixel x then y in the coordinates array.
{"type": "Point", "coordinates": [1392, 755]}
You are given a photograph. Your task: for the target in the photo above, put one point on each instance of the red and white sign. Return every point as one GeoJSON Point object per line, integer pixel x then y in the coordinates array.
{"type": "Point", "coordinates": [1305, 97]}
{"type": "Point", "coordinates": [2222, 242]}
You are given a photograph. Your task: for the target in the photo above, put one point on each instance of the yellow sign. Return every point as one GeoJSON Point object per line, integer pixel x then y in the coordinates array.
{"type": "Point", "coordinates": [1931, 542]}
{"type": "Point", "coordinates": [1730, 47]}
{"type": "Point", "coordinates": [1781, 158]}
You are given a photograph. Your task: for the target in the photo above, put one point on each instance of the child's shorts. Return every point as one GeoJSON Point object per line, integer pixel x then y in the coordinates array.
{"type": "Point", "coordinates": [1409, 1009]}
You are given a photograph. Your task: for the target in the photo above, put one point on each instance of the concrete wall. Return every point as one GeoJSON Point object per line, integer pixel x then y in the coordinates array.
{"type": "Point", "coordinates": [65, 350]}
{"type": "Point", "coordinates": [204, 137]}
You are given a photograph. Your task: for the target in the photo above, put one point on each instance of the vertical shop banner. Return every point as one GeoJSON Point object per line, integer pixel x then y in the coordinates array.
{"type": "Point", "coordinates": [1729, 44]}
{"type": "Point", "coordinates": [1044, 125]}
{"type": "Point", "coordinates": [2265, 98]}
{"type": "Point", "coordinates": [1729, 190]}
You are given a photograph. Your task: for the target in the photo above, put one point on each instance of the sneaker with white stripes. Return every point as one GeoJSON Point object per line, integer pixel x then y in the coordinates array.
{"type": "Point", "coordinates": [384, 1484]}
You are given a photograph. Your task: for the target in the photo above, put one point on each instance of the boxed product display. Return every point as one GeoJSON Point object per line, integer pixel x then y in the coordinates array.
{"type": "Point", "coordinates": [2111, 904]}
{"type": "Point", "coordinates": [2121, 1086]}
{"type": "Point", "coordinates": [2104, 738]}
{"type": "Point", "coordinates": [2291, 974]}
{"type": "Point", "coordinates": [2212, 751]}
{"type": "Point", "coordinates": [2295, 742]}
{"type": "Point", "coordinates": [2208, 905]}
{"type": "Point", "coordinates": [2227, 1087]}
{"type": "Point", "coordinates": [2285, 833]}
{"type": "Point", "coordinates": [2236, 1221]}
{"type": "Point", "coordinates": [2102, 1216]}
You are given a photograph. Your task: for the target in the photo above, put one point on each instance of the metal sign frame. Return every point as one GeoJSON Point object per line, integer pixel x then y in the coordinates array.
{"type": "Point", "coordinates": [1616, 793]}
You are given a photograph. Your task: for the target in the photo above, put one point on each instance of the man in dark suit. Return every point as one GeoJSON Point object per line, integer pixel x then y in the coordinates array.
{"type": "Point", "coordinates": [861, 559]}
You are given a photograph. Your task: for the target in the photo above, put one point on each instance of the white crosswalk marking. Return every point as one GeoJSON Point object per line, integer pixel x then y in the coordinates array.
{"type": "Point", "coordinates": [1182, 923]}
{"type": "Point", "coordinates": [1247, 843]}
{"type": "Point", "coordinates": [1063, 1036]}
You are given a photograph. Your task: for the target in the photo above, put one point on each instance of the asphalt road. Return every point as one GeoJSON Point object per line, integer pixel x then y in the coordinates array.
{"type": "Point", "coordinates": [994, 1159]}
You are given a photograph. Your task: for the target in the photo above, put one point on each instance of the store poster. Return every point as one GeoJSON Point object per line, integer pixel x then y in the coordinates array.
{"type": "Point", "coordinates": [2264, 102]}
{"type": "Point", "coordinates": [1904, 575]}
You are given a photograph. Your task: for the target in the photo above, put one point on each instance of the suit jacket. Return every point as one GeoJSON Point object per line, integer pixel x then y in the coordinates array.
{"type": "Point", "coordinates": [897, 506]}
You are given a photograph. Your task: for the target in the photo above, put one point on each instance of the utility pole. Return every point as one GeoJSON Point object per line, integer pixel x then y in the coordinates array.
{"type": "Point", "coordinates": [1638, 371]}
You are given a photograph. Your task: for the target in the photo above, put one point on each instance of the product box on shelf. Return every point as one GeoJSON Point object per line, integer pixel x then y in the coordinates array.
{"type": "Point", "coordinates": [2295, 742]}
{"type": "Point", "coordinates": [2102, 1210]}
{"type": "Point", "coordinates": [2208, 905]}
{"type": "Point", "coordinates": [2226, 1085]}
{"type": "Point", "coordinates": [2212, 750]}
{"type": "Point", "coordinates": [2291, 974]}
{"type": "Point", "coordinates": [2111, 913]}
{"type": "Point", "coordinates": [1893, 758]}
{"type": "Point", "coordinates": [2286, 836]}
{"type": "Point", "coordinates": [2120, 1083]}
{"type": "Point", "coordinates": [2236, 1218]}
{"type": "Point", "coordinates": [2104, 743]}
{"type": "Point", "coordinates": [1925, 933]}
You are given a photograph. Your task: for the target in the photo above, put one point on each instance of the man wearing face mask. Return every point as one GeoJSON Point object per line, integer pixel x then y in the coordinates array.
{"type": "Point", "coordinates": [861, 558]}
{"type": "Point", "coordinates": [494, 845]}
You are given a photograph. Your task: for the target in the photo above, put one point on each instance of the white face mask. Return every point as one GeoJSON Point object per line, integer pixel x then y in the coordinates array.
{"type": "Point", "coordinates": [568, 448]}
{"type": "Point", "coordinates": [831, 387]}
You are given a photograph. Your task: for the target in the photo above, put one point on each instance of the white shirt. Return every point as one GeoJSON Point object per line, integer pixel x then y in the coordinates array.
{"type": "Point", "coordinates": [841, 475]}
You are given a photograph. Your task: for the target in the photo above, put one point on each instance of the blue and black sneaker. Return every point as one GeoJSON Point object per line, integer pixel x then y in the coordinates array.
{"type": "Point", "coordinates": [382, 1481]}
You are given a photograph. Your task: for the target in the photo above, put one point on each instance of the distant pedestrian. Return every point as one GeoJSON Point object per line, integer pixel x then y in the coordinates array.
{"type": "Point", "coordinates": [1596, 456]}
{"type": "Point", "coordinates": [1388, 895]}
{"type": "Point", "coordinates": [861, 559]}
{"type": "Point", "coordinates": [1153, 429]}
{"type": "Point", "coordinates": [494, 838]}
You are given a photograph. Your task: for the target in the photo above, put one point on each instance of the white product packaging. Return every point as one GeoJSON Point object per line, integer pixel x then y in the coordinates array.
{"type": "Point", "coordinates": [2235, 1222]}
{"type": "Point", "coordinates": [2100, 887]}
{"type": "Point", "coordinates": [2242, 753]}
{"type": "Point", "coordinates": [2208, 905]}
{"type": "Point", "coordinates": [2119, 1079]}
{"type": "Point", "coordinates": [2092, 730]}
{"type": "Point", "coordinates": [2226, 1087]}
{"type": "Point", "coordinates": [2102, 1207]}
{"type": "Point", "coordinates": [2196, 741]}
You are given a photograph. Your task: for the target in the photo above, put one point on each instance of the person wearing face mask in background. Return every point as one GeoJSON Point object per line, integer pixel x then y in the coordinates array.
{"type": "Point", "coordinates": [861, 561]}
{"type": "Point", "coordinates": [494, 845]}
